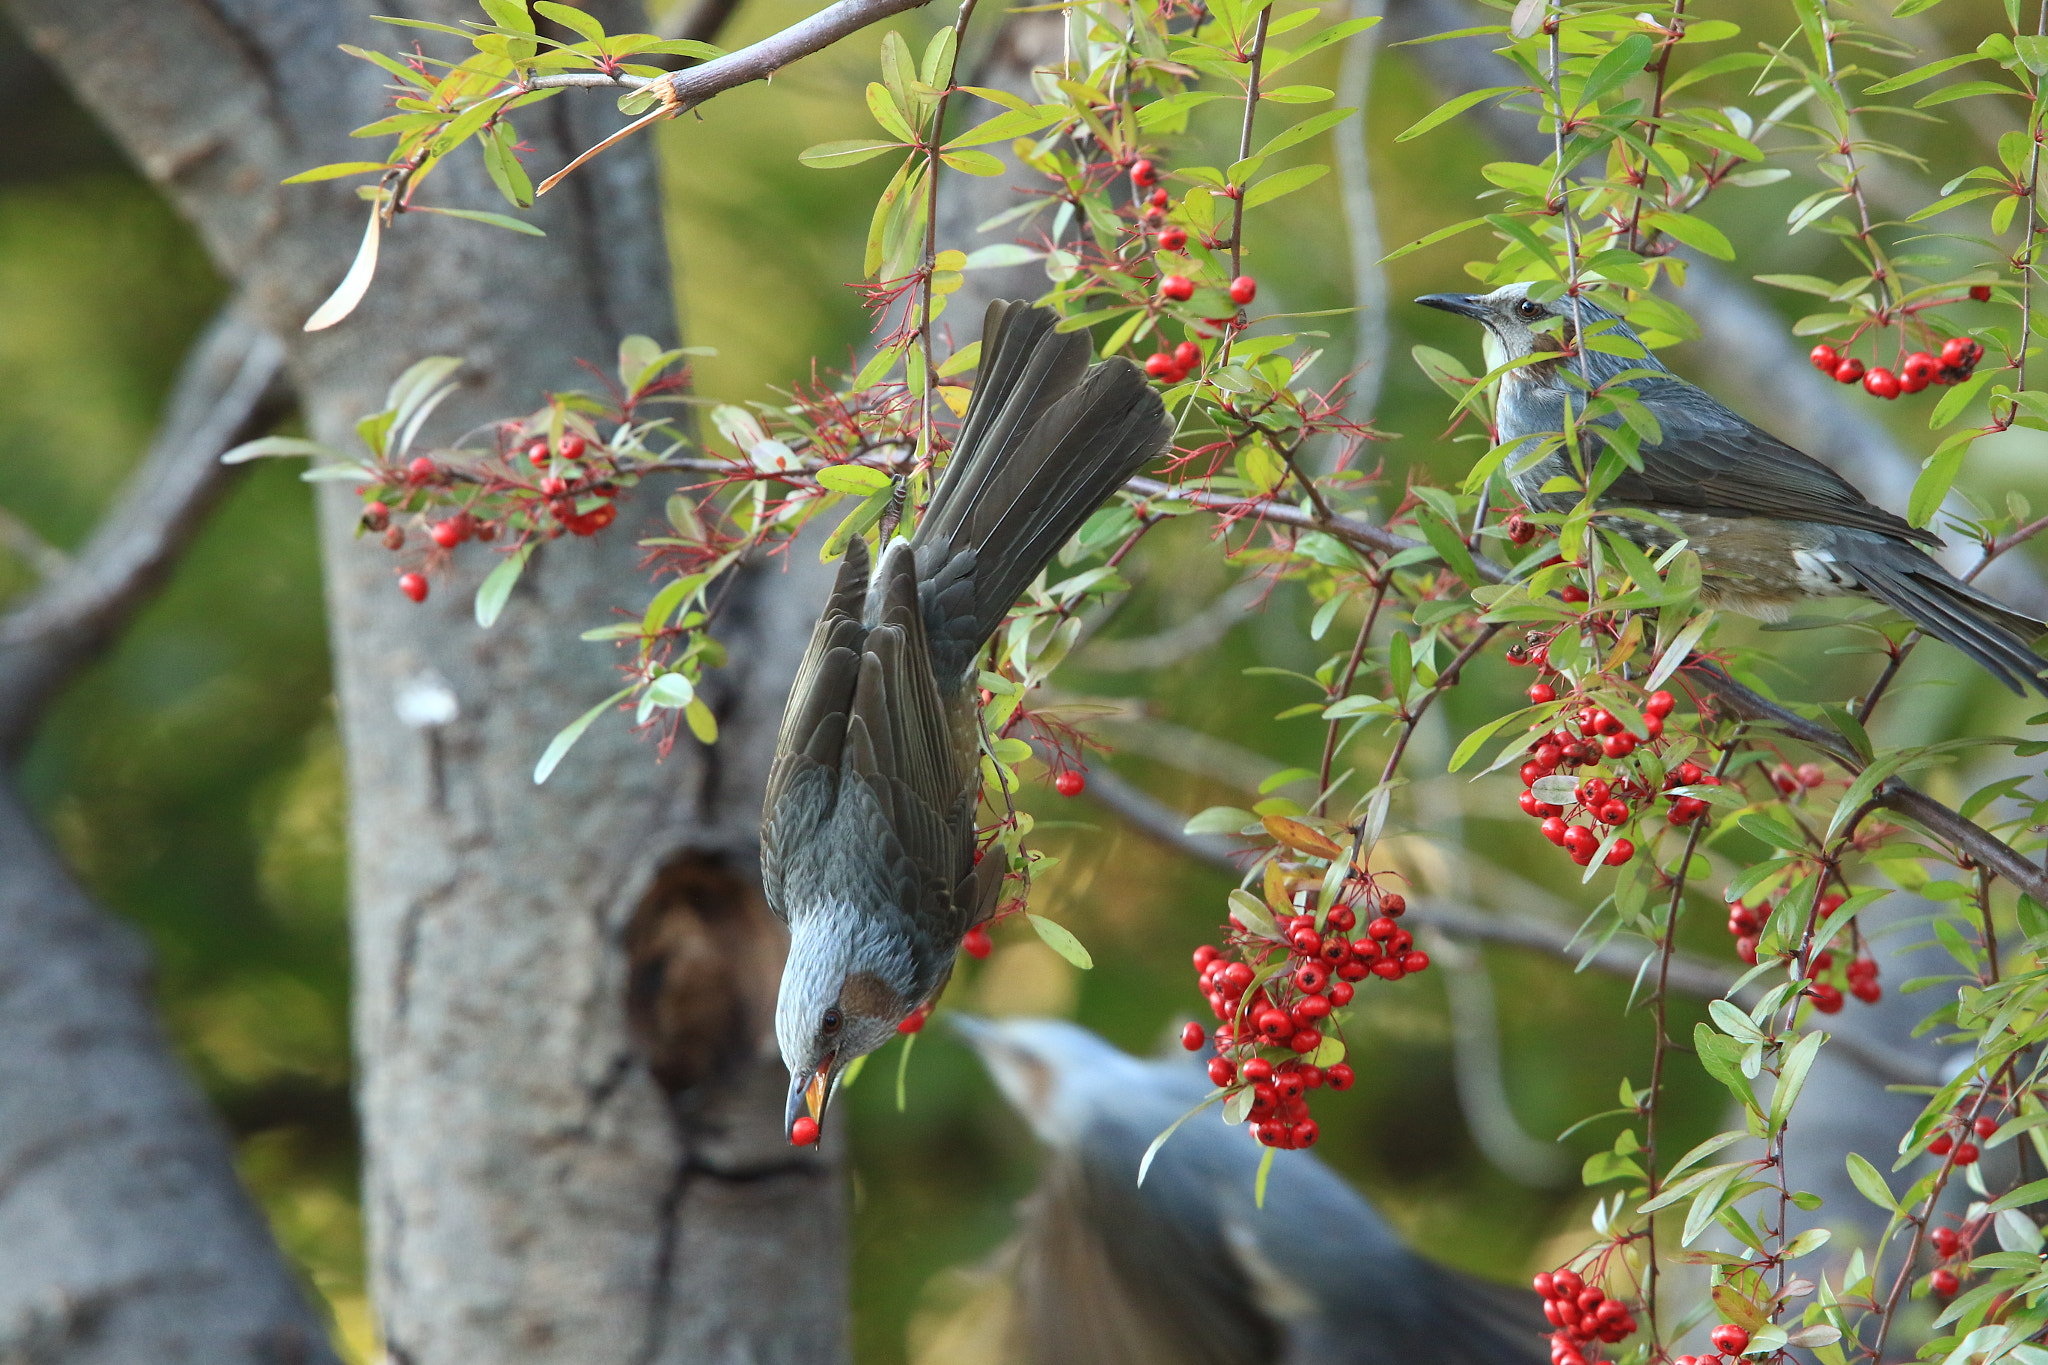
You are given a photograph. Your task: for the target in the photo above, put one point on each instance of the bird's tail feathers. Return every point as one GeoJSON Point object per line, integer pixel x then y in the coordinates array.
{"type": "Point", "coordinates": [1993, 635]}
{"type": "Point", "coordinates": [1046, 441]}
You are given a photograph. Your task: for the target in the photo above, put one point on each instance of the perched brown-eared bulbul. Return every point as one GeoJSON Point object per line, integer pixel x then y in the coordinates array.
{"type": "Point", "coordinates": [868, 836]}
{"type": "Point", "coordinates": [1772, 525]}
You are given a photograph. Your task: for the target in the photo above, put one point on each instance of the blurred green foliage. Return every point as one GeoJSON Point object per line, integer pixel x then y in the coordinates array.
{"type": "Point", "coordinates": [195, 780]}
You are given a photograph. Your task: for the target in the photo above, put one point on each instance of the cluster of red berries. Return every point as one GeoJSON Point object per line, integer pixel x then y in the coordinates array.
{"type": "Point", "coordinates": [1958, 359]}
{"type": "Point", "coordinates": [1582, 1315]}
{"type": "Point", "coordinates": [1948, 1244]}
{"type": "Point", "coordinates": [1175, 365]}
{"type": "Point", "coordinates": [1179, 289]}
{"type": "Point", "coordinates": [1272, 1014]}
{"type": "Point", "coordinates": [1729, 1340]}
{"type": "Point", "coordinates": [1600, 735]}
{"type": "Point", "coordinates": [1745, 924]}
{"type": "Point", "coordinates": [560, 495]}
{"type": "Point", "coordinates": [1964, 1153]}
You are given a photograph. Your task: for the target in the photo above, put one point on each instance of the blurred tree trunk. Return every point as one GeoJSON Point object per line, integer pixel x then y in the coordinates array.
{"type": "Point", "coordinates": [569, 1094]}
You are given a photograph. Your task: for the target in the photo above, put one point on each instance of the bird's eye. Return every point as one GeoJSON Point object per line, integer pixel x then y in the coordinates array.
{"type": "Point", "coordinates": [1529, 308]}
{"type": "Point", "coordinates": [831, 1021]}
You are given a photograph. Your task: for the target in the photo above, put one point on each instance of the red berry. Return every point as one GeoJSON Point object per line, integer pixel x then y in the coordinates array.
{"type": "Point", "coordinates": [1288, 1085]}
{"type": "Point", "coordinates": [376, 516]}
{"type": "Point", "coordinates": [1305, 1133]}
{"type": "Point", "coordinates": [1221, 1071]}
{"type": "Point", "coordinates": [413, 585]}
{"type": "Point", "coordinates": [1881, 383]}
{"type": "Point", "coordinates": [1984, 1125]}
{"type": "Point", "coordinates": [1941, 1145]}
{"type": "Point", "coordinates": [1179, 288]}
{"type": "Point", "coordinates": [1966, 1154]}
{"type": "Point", "coordinates": [804, 1131]}
{"type": "Point", "coordinates": [1944, 1282]}
{"type": "Point", "coordinates": [1826, 998]}
{"type": "Point", "coordinates": [1955, 352]}
{"type": "Point", "coordinates": [1206, 954]}
{"type": "Point", "coordinates": [1341, 991]}
{"type": "Point", "coordinates": [1622, 851]}
{"type": "Point", "coordinates": [1810, 774]}
{"type": "Point", "coordinates": [420, 470]}
{"type": "Point", "coordinates": [1310, 1008]}
{"type": "Point", "coordinates": [394, 538]}
{"type": "Point", "coordinates": [1339, 1077]}
{"type": "Point", "coordinates": [1172, 239]}
{"type": "Point", "coordinates": [1258, 1071]}
{"type": "Point", "coordinates": [1824, 358]}
{"type": "Point", "coordinates": [1916, 372]}
{"type": "Point", "coordinates": [1572, 592]}
{"type": "Point", "coordinates": [1578, 837]}
{"type": "Point", "coordinates": [1274, 1025]}
{"type": "Point", "coordinates": [572, 446]}
{"type": "Point", "coordinates": [1659, 704]}
{"type": "Point", "coordinates": [1729, 1339]}
{"type": "Point", "coordinates": [1554, 829]}
{"type": "Point", "coordinates": [1383, 927]}
{"type": "Point", "coordinates": [1187, 355]}
{"type": "Point", "coordinates": [976, 942]}
{"type": "Point", "coordinates": [1305, 1040]}
{"type": "Point", "coordinates": [1159, 364]}
{"type": "Point", "coordinates": [1192, 1037]}
{"type": "Point", "coordinates": [1542, 692]}
{"type": "Point", "coordinates": [1414, 962]}
{"type": "Point", "coordinates": [537, 450]}
{"type": "Point", "coordinates": [1070, 783]}
{"type": "Point", "coordinates": [914, 1021]}
{"type": "Point", "coordinates": [1312, 977]}
{"type": "Point", "coordinates": [1849, 371]}
{"type": "Point", "coordinates": [1243, 290]}
{"type": "Point", "coordinates": [1946, 1242]}
{"type": "Point", "coordinates": [1144, 173]}
{"type": "Point", "coordinates": [1613, 813]}
{"type": "Point", "coordinates": [447, 534]}
{"type": "Point", "coordinates": [1394, 903]}
{"type": "Point", "coordinates": [1160, 198]}
{"type": "Point", "coordinates": [1618, 746]}
{"type": "Point", "coordinates": [1981, 292]}
{"type": "Point", "coordinates": [1745, 948]}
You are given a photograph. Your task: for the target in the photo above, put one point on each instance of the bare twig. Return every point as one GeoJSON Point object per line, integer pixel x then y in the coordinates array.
{"type": "Point", "coordinates": [229, 390]}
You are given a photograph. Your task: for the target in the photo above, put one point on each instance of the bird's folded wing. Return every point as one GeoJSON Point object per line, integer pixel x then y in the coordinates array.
{"type": "Point", "coordinates": [1712, 462]}
{"type": "Point", "coordinates": [899, 741]}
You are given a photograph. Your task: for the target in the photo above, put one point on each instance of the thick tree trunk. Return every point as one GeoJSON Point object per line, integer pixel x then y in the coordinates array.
{"type": "Point", "coordinates": [569, 1095]}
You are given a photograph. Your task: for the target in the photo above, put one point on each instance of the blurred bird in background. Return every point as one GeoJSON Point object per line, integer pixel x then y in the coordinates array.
{"type": "Point", "coordinates": [868, 831]}
{"type": "Point", "coordinates": [1771, 524]}
{"type": "Point", "coordinates": [1187, 1269]}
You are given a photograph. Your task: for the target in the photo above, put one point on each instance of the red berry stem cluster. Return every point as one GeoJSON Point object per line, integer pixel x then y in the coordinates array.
{"type": "Point", "coordinates": [571, 491]}
{"type": "Point", "coordinates": [1600, 735]}
{"type": "Point", "coordinates": [1730, 1341]}
{"type": "Point", "coordinates": [1962, 1153]}
{"type": "Point", "coordinates": [1859, 970]}
{"type": "Point", "coordinates": [1150, 203]}
{"type": "Point", "coordinates": [1583, 1314]}
{"type": "Point", "coordinates": [1957, 361]}
{"type": "Point", "coordinates": [1274, 999]}
{"type": "Point", "coordinates": [1951, 1244]}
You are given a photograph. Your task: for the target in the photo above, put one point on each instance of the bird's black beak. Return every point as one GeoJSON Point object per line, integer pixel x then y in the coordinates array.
{"type": "Point", "coordinates": [1465, 305]}
{"type": "Point", "coordinates": [808, 1094]}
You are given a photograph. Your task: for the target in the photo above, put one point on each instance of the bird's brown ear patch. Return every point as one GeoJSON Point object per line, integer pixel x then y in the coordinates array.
{"type": "Point", "coordinates": [867, 994]}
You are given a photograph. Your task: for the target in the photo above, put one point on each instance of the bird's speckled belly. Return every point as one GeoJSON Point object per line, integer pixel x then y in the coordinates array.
{"type": "Point", "coordinates": [1756, 566]}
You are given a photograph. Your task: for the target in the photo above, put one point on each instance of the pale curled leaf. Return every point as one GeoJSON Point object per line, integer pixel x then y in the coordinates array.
{"type": "Point", "coordinates": [355, 283]}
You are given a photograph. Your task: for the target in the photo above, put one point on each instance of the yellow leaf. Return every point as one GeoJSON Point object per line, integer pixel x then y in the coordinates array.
{"type": "Point", "coordinates": [1302, 838]}
{"type": "Point", "coordinates": [956, 397]}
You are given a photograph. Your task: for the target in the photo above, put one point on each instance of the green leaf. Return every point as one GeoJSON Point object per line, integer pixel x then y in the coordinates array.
{"type": "Point", "coordinates": [883, 106]}
{"type": "Point", "coordinates": [1696, 233]}
{"type": "Point", "coordinates": [1219, 820]}
{"type": "Point", "coordinates": [492, 593]}
{"type": "Point", "coordinates": [1061, 941]}
{"type": "Point", "coordinates": [671, 690]}
{"type": "Point", "coordinates": [1448, 544]}
{"type": "Point", "coordinates": [503, 220]}
{"type": "Point", "coordinates": [559, 746]}
{"type": "Point", "coordinates": [974, 163]}
{"type": "Point", "coordinates": [1259, 1182]}
{"type": "Point", "coordinates": [1470, 744]}
{"type": "Point", "coordinates": [703, 724]}
{"type": "Point", "coordinates": [1295, 94]}
{"type": "Point", "coordinates": [1937, 476]}
{"type": "Point", "coordinates": [267, 446]}
{"type": "Point", "coordinates": [509, 14]}
{"type": "Point", "coordinates": [858, 479]}
{"type": "Point", "coordinates": [1145, 1163]}
{"type": "Point", "coordinates": [1948, 94]}
{"type": "Point", "coordinates": [1871, 1183]}
{"type": "Point", "coordinates": [1304, 130]}
{"type": "Point", "coordinates": [1284, 182]}
{"type": "Point", "coordinates": [1451, 108]}
{"type": "Point", "coordinates": [335, 171]}
{"type": "Point", "coordinates": [1626, 59]}
{"type": "Point", "coordinates": [575, 20]}
{"type": "Point", "coordinates": [1792, 1077]}
{"type": "Point", "coordinates": [1011, 123]}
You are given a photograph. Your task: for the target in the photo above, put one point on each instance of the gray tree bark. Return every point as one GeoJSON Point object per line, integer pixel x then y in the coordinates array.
{"type": "Point", "coordinates": [569, 1096]}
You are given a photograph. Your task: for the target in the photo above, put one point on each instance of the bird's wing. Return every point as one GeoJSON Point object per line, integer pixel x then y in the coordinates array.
{"type": "Point", "coordinates": [899, 742]}
{"type": "Point", "coordinates": [1711, 461]}
{"type": "Point", "coordinates": [804, 780]}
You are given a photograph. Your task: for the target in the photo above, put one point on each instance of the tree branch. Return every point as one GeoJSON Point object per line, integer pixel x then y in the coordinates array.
{"type": "Point", "coordinates": [230, 388]}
